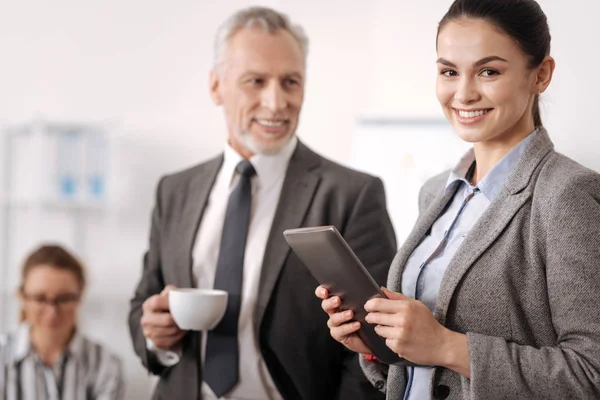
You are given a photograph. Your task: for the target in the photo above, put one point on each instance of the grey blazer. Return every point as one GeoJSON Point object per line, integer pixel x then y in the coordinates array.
{"type": "Point", "coordinates": [303, 360]}
{"type": "Point", "coordinates": [524, 286]}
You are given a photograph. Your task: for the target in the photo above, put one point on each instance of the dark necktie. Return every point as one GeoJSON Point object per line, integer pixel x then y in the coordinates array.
{"type": "Point", "coordinates": [221, 364]}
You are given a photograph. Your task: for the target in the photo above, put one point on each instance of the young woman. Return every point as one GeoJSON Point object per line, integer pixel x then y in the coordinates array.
{"type": "Point", "coordinates": [46, 357]}
{"type": "Point", "coordinates": [495, 293]}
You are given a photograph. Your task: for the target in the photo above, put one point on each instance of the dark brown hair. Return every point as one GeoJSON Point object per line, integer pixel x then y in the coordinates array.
{"type": "Point", "coordinates": [522, 20]}
{"type": "Point", "coordinates": [56, 257]}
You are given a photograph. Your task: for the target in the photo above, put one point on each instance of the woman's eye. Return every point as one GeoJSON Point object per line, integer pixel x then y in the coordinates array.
{"type": "Point", "coordinates": [449, 72]}
{"type": "Point", "coordinates": [489, 72]}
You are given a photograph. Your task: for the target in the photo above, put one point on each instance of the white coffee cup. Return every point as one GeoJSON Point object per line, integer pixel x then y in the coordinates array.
{"type": "Point", "coordinates": [197, 309]}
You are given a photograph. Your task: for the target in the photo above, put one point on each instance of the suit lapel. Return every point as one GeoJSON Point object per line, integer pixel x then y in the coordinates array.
{"type": "Point", "coordinates": [197, 197]}
{"type": "Point", "coordinates": [496, 218]}
{"type": "Point", "coordinates": [297, 193]}
{"type": "Point", "coordinates": [423, 224]}
{"type": "Point", "coordinates": [484, 233]}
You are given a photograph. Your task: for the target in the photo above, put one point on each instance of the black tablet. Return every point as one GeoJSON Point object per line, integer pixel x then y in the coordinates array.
{"type": "Point", "coordinates": [335, 266]}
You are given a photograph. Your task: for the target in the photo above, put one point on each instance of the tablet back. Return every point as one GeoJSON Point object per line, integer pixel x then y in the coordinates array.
{"type": "Point", "coordinates": [335, 266]}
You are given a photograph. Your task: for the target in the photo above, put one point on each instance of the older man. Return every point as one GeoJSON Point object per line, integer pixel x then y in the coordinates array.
{"type": "Point", "coordinates": [219, 225]}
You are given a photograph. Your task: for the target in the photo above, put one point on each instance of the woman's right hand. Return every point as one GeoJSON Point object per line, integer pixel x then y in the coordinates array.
{"type": "Point", "coordinates": [340, 323]}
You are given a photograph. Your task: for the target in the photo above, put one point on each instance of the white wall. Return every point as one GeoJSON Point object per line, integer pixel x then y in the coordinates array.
{"type": "Point", "coordinates": [403, 79]}
{"type": "Point", "coordinates": [143, 65]}
{"type": "Point", "coordinates": [572, 104]}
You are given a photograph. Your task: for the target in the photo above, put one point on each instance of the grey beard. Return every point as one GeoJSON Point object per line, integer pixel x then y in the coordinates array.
{"type": "Point", "coordinates": [247, 140]}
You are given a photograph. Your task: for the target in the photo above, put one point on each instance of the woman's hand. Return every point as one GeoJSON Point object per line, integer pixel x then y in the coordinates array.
{"type": "Point", "coordinates": [413, 333]}
{"type": "Point", "coordinates": [340, 325]}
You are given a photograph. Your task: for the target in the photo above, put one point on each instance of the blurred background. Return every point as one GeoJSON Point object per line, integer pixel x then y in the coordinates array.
{"type": "Point", "coordinates": [117, 90]}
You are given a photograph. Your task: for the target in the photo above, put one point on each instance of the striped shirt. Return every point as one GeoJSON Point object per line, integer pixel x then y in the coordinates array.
{"type": "Point", "coordinates": [86, 371]}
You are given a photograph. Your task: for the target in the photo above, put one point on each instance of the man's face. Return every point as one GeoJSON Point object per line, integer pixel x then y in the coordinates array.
{"type": "Point", "coordinates": [260, 84]}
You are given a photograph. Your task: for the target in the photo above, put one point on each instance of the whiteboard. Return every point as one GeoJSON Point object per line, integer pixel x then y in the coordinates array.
{"type": "Point", "coordinates": [404, 153]}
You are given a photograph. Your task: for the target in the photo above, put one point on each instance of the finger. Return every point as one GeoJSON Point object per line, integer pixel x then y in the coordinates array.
{"type": "Point", "coordinates": [341, 332]}
{"type": "Point", "coordinates": [394, 295]}
{"type": "Point", "coordinates": [158, 320]}
{"type": "Point", "coordinates": [175, 339]}
{"type": "Point", "coordinates": [167, 289]}
{"type": "Point", "coordinates": [392, 333]}
{"type": "Point", "coordinates": [156, 303]}
{"type": "Point", "coordinates": [394, 320]}
{"type": "Point", "coordinates": [156, 332]}
{"type": "Point", "coordinates": [337, 319]}
{"type": "Point", "coordinates": [164, 333]}
{"type": "Point", "coordinates": [395, 346]}
{"type": "Point", "coordinates": [162, 302]}
{"type": "Point", "coordinates": [166, 338]}
{"type": "Point", "coordinates": [331, 305]}
{"type": "Point", "coordinates": [385, 305]}
{"type": "Point", "coordinates": [168, 343]}
{"type": "Point", "coordinates": [322, 293]}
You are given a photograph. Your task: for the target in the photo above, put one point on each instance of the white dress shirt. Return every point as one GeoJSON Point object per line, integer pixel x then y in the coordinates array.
{"type": "Point", "coordinates": [255, 382]}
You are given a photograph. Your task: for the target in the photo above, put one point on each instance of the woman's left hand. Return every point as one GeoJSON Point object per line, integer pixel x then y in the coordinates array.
{"type": "Point", "coordinates": [410, 329]}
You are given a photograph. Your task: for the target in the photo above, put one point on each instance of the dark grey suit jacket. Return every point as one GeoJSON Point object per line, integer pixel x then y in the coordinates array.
{"type": "Point", "coordinates": [524, 285]}
{"type": "Point", "coordinates": [303, 359]}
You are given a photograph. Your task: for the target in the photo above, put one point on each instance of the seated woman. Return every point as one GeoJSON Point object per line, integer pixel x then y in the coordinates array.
{"type": "Point", "coordinates": [46, 357]}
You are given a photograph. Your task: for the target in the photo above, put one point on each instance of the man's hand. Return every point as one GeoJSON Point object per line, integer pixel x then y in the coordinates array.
{"type": "Point", "coordinates": [158, 324]}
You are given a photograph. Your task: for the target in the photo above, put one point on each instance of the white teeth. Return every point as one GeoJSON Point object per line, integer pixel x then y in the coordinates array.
{"type": "Point", "coordinates": [471, 114]}
{"type": "Point", "coordinates": [270, 123]}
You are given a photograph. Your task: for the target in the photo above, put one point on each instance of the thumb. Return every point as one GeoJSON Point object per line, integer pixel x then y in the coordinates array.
{"type": "Point", "coordinates": [167, 289]}
{"type": "Point", "coordinates": [394, 295]}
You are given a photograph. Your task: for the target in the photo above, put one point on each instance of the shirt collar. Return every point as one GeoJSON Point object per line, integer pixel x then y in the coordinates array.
{"type": "Point", "coordinates": [459, 172]}
{"type": "Point", "coordinates": [22, 344]}
{"type": "Point", "coordinates": [493, 182]}
{"type": "Point", "coordinates": [269, 167]}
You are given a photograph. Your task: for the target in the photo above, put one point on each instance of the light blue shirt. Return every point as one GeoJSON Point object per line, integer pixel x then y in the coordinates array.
{"type": "Point", "coordinates": [422, 280]}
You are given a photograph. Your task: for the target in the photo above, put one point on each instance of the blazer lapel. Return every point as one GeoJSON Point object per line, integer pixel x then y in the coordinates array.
{"type": "Point", "coordinates": [197, 197]}
{"type": "Point", "coordinates": [495, 219]}
{"type": "Point", "coordinates": [297, 193]}
{"type": "Point", "coordinates": [483, 234]}
{"type": "Point", "coordinates": [423, 224]}
{"type": "Point", "coordinates": [398, 374]}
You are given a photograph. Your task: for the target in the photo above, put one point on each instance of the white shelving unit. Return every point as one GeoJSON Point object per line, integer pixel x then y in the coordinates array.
{"type": "Point", "coordinates": [53, 175]}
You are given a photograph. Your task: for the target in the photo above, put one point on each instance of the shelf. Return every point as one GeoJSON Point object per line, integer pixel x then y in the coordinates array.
{"type": "Point", "coordinates": [74, 204]}
{"type": "Point", "coordinates": [52, 180]}
{"type": "Point", "coordinates": [45, 127]}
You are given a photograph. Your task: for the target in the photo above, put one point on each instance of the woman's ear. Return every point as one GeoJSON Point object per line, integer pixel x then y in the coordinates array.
{"type": "Point", "coordinates": [544, 74]}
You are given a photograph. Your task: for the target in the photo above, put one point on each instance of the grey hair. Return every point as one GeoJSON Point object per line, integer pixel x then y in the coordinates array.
{"type": "Point", "coordinates": [257, 17]}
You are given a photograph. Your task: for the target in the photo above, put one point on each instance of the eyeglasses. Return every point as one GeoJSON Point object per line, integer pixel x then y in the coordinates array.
{"type": "Point", "coordinates": [61, 301]}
